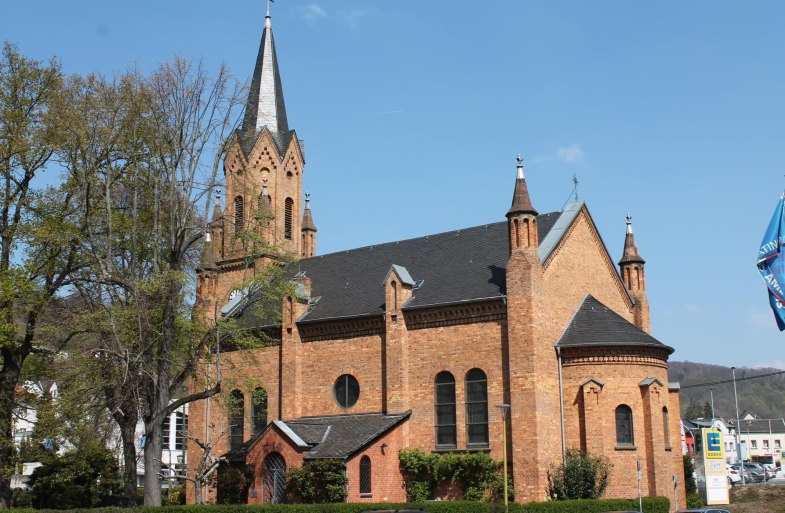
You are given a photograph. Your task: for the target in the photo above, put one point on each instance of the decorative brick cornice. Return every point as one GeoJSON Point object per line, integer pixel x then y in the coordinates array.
{"type": "Point", "coordinates": [615, 356]}
{"type": "Point", "coordinates": [336, 330]}
{"type": "Point", "coordinates": [453, 315]}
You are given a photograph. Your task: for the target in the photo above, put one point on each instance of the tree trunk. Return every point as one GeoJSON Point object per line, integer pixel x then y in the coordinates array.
{"type": "Point", "coordinates": [9, 376]}
{"type": "Point", "coordinates": [152, 463]}
{"type": "Point", "coordinates": [128, 435]}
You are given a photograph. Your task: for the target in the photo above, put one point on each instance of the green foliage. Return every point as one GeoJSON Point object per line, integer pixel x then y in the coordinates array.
{"type": "Point", "coordinates": [581, 477]}
{"type": "Point", "coordinates": [694, 500]}
{"type": "Point", "coordinates": [690, 486]}
{"type": "Point", "coordinates": [479, 476]}
{"type": "Point", "coordinates": [21, 498]}
{"type": "Point", "coordinates": [78, 479]}
{"type": "Point", "coordinates": [231, 486]}
{"type": "Point", "coordinates": [317, 482]}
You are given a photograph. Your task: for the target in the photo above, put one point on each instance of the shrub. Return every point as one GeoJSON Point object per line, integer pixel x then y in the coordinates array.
{"type": "Point", "coordinates": [581, 476]}
{"type": "Point", "coordinates": [231, 486]}
{"type": "Point", "coordinates": [317, 481]}
{"type": "Point", "coordinates": [694, 500]}
{"type": "Point", "coordinates": [690, 487]}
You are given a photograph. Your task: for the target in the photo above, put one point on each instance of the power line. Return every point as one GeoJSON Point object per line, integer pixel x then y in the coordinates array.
{"type": "Point", "coordinates": [723, 381]}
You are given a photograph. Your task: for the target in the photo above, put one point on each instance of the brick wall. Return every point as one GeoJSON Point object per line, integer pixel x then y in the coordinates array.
{"type": "Point", "coordinates": [386, 480]}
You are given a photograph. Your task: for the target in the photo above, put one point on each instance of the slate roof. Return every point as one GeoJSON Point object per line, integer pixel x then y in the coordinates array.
{"type": "Point", "coordinates": [760, 425]}
{"type": "Point", "coordinates": [457, 266]}
{"type": "Point", "coordinates": [594, 324]}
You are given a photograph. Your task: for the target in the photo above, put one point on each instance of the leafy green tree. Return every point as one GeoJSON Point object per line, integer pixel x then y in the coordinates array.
{"type": "Point", "coordinates": [40, 230]}
{"type": "Point", "coordinates": [78, 479]}
{"type": "Point", "coordinates": [318, 482]}
{"type": "Point", "coordinates": [581, 476]}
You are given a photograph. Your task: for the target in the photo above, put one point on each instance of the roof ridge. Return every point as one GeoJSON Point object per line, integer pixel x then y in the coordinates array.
{"type": "Point", "coordinates": [448, 232]}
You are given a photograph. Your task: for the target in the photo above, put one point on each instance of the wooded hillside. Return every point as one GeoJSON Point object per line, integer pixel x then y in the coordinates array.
{"type": "Point", "coordinates": [764, 397]}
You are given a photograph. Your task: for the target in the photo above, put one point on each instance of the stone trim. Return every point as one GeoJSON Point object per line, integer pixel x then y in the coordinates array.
{"type": "Point", "coordinates": [367, 326]}
{"type": "Point", "coordinates": [618, 356]}
{"type": "Point", "coordinates": [486, 311]}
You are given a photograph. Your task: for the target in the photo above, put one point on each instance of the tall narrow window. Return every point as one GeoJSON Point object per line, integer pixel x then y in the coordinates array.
{"type": "Point", "coordinates": [239, 215]}
{"type": "Point", "coordinates": [476, 407]}
{"type": "Point", "coordinates": [624, 425]}
{"type": "Point", "coordinates": [365, 475]}
{"type": "Point", "coordinates": [236, 419]}
{"type": "Point", "coordinates": [167, 428]}
{"type": "Point", "coordinates": [287, 218]}
{"type": "Point", "coordinates": [444, 386]}
{"type": "Point", "coordinates": [665, 430]}
{"type": "Point", "coordinates": [259, 410]}
{"type": "Point", "coordinates": [181, 431]}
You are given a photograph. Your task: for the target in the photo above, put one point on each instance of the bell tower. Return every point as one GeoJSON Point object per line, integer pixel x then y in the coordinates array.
{"type": "Point", "coordinates": [261, 221]}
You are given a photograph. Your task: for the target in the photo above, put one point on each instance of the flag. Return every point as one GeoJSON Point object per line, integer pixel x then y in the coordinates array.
{"type": "Point", "coordinates": [771, 262]}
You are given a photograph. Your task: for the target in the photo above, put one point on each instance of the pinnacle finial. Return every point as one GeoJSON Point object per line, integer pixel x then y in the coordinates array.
{"type": "Point", "coordinates": [629, 223]}
{"type": "Point", "coordinates": [264, 187]}
{"type": "Point", "coordinates": [307, 200]}
{"type": "Point", "coordinates": [519, 159]}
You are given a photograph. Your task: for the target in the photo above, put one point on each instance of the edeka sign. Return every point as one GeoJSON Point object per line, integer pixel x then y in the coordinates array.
{"type": "Point", "coordinates": [712, 446]}
{"type": "Point", "coordinates": [715, 471]}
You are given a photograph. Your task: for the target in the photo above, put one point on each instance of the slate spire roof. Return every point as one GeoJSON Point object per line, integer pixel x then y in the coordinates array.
{"type": "Point", "coordinates": [265, 106]}
{"type": "Point", "coordinates": [521, 203]}
{"type": "Point", "coordinates": [594, 324]}
{"type": "Point", "coordinates": [307, 216]}
{"type": "Point", "coordinates": [630, 254]}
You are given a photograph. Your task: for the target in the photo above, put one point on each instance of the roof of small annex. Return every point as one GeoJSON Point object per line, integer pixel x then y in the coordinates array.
{"type": "Point", "coordinates": [594, 324]}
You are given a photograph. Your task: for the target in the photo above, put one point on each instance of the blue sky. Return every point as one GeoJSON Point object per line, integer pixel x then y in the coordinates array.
{"type": "Point", "coordinates": [413, 112]}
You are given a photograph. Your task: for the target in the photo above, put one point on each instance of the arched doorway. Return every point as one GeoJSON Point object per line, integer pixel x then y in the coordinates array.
{"type": "Point", "coordinates": [274, 479]}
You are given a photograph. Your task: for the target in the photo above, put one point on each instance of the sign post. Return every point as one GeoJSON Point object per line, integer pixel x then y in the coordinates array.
{"type": "Point", "coordinates": [715, 471]}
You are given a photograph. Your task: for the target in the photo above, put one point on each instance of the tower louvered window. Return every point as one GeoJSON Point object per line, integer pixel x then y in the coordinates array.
{"type": "Point", "coordinates": [287, 218]}
{"type": "Point", "coordinates": [665, 423]}
{"type": "Point", "coordinates": [476, 407]}
{"type": "Point", "coordinates": [236, 419]}
{"type": "Point", "coordinates": [238, 214]}
{"type": "Point", "coordinates": [444, 393]}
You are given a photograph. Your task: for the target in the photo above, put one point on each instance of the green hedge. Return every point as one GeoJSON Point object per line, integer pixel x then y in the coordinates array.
{"type": "Point", "coordinates": [650, 505]}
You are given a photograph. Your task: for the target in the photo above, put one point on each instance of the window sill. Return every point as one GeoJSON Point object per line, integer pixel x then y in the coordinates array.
{"type": "Point", "coordinates": [626, 448]}
{"type": "Point", "coordinates": [668, 448]}
{"type": "Point", "coordinates": [475, 448]}
{"type": "Point", "coordinates": [366, 495]}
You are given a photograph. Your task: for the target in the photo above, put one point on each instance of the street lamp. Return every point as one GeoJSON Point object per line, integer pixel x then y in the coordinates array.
{"type": "Point", "coordinates": [504, 408]}
{"type": "Point", "coordinates": [738, 426]}
{"type": "Point", "coordinates": [711, 391]}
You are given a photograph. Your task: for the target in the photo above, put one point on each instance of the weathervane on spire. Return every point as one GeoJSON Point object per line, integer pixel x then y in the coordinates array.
{"type": "Point", "coordinates": [268, 7]}
{"type": "Point", "coordinates": [575, 182]}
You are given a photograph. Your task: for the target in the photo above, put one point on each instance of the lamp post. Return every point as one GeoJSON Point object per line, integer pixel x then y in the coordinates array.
{"type": "Point", "coordinates": [504, 408]}
{"type": "Point", "coordinates": [711, 391]}
{"type": "Point", "coordinates": [738, 427]}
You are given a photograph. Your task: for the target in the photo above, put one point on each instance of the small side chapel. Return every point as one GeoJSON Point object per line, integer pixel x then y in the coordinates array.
{"type": "Point", "coordinates": [414, 343]}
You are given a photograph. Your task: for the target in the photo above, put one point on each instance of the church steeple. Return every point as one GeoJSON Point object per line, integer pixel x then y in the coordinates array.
{"type": "Point", "coordinates": [265, 106]}
{"type": "Point", "coordinates": [522, 217]}
{"type": "Point", "coordinates": [634, 278]}
{"type": "Point", "coordinates": [308, 245]}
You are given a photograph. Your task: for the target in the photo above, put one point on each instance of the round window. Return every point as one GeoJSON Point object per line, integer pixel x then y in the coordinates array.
{"type": "Point", "coordinates": [347, 391]}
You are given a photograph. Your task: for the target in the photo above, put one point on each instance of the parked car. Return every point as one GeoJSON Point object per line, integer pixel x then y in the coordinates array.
{"type": "Point", "coordinates": [733, 475]}
{"type": "Point", "coordinates": [703, 510]}
{"type": "Point", "coordinates": [746, 475]}
{"type": "Point", "coordinates": [767, 472]}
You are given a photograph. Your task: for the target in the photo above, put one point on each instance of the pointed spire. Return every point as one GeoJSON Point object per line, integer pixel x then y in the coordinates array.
{"type": "Point", "coordinates": [218, 215]}
{"type": "Point", "coordinates": [630, 254]}
{"type": "Point", "coordinates": [307, 217]}
{"type": "Point", "coordinates": [265, 105]}
{"type": "Point", "coordinates": [521, 204]}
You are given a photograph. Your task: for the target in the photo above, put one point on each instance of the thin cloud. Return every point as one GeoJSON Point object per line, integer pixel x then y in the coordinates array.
{"type": "Point", "coordinates": [313, 12]}
{"type": "Point", "coordinates": [571, 154]}
{"type": "Point", "coordinates": [351, 18]}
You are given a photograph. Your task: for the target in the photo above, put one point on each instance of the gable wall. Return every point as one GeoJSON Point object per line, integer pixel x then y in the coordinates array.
{"type": "Point", "coordinates": [386, 479]}
{"type": "Point", "coordinates": [272, 441]}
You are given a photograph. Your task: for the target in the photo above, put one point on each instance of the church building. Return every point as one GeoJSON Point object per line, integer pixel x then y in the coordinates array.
{"type": "Point", "coordinates": [422, 343]}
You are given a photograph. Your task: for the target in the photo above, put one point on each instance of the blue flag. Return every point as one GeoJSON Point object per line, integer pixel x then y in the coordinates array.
{"type": "Point", "coordinates": [771, 262]}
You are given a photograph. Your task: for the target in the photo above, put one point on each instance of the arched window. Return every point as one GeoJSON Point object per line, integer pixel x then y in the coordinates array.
{"type": "Point", "coordinates": [259, 410]}
{"type": "Point", "coordinates": [238, 214]}
{"type": "Point", "coordinates": [274, 479]}
{"type": "Point", "coordinates": [365, 475]}
{"type": "Point", "coordinates": [444, 393]}
{"type": "Point", "coordinates": [624, 425]}
{"type": "Point", "coordinates": [287, 218]}
{"type": "Point", "coordinates": [665, 430]}
{"type": "Point", "coordinates": [476, 407]}
{"type": "Point", "coordinates": [236, 419]}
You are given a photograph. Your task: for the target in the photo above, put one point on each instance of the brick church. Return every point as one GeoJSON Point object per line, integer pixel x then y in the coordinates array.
{"type": "Point", "coordinates": [415, 343]}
